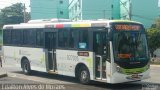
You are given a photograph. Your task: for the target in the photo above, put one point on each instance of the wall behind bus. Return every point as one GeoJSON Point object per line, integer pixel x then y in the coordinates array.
{"type": "Point", "coordinates": [94, 9]}
{"type": "Point", "coordinates": [47, 9]}
{"type": "Point", "coordinates": [145, 11]}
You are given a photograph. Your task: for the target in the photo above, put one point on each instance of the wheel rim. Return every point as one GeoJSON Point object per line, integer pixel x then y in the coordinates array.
{"type": "Point", "coordinates": [84, 75]}
{"type": "Point", "coordinates": [25, 68]}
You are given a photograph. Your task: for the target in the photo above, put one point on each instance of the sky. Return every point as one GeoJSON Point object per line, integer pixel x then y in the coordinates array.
{"type": "Point", "coordinates": [5, 3]}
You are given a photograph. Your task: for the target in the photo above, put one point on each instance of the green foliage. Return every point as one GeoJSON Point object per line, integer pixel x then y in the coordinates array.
{"type": "Point", "coordinates": [153, 35]}
{"type": "Point", "coordinates": [153, 38]}
{"type": "Point", "coordinates": [13, 14]}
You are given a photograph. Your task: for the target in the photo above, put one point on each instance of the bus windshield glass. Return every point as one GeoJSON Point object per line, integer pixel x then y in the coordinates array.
{"type": "Point", "coordinates": [130, 46]}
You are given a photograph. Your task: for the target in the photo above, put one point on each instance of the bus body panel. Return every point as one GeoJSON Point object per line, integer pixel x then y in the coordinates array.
{"type": "Point", "coordinates": [36, 56]}
{"type": "Point", "coordinates": [121, 78]}
{"type": "Point", "coordinates": [67, 60]}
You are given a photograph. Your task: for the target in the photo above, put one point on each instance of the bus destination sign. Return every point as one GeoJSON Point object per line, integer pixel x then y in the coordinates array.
{"type": "Point", "coordinates": [127, 27]}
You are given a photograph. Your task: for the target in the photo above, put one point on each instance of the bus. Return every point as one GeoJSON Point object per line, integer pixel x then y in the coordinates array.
{"type": "Point", "coordinates": [111, 51]}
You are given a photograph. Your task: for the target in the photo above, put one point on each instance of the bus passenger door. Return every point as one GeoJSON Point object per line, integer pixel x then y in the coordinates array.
{"type": "Point", "coordinates": [100, 49]}
{"type": "Point", "coordinates": [50, 45]}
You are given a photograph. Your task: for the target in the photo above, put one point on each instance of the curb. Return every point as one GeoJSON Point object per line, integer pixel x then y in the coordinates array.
{"type": "Point", "coordinates": [155, 65]}
{"type": "Point", "coordinates": [3, 75]}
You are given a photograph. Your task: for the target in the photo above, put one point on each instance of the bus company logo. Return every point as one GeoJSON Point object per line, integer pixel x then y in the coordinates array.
{"type": "Point", "coordinates": [21, 52]}
{"type": "Point", "coordinates": [72, 58]}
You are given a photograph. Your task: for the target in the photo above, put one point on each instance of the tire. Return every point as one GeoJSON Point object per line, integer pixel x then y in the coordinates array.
{"type": "Point", "coordinates": [84, 76]}
{"type": "Point", "coordinates": [26, 67]}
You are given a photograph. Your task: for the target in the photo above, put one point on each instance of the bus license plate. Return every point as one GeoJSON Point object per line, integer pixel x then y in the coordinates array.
{"type": "Point", "coordinates": [135, 76]}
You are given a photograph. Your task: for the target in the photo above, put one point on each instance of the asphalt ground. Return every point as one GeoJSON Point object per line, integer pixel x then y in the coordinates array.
{"type": "Point", "coordinates": [16, 77]}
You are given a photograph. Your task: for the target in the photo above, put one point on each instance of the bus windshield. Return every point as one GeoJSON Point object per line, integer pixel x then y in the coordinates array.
{"type": "Point", "coordinates": [130, 44]}
{"type": "Point", "coordinates": [130, 48]}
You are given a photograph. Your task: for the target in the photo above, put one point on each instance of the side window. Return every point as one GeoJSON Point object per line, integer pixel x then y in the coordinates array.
{"type": "Point", "coordinates": [25, 37]}
{"type": "Point", "coordinates": [29, 37]}
{"type": "Point", "coordinates": [63, 38]}
{"type": "Point", "coordinates": [39, 38]}
{"type": "Point", "coordinates": [73, 38]}
{"type": "Point", "coordinates": [83, 39]}
{"type": "Point", "coordinates": [19, 37]}
{"type": "Point", "coordinates": [6, 37]}
{"type": "Point", "coordinates": [32, 37]}
{"type": "Point", "coordinates": [14, 37]}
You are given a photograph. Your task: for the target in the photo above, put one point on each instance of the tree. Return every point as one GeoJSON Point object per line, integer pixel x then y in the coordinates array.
{"type": "Point", "coordinates": [153, 35]}
{"type": "Point", "coordinates": [13, 14]}
{"type": "Point", "coordinates": [153, 39]}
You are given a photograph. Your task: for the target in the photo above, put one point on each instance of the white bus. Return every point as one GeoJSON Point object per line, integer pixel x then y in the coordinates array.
{"type": "Point", "coordinates": [111, 51]}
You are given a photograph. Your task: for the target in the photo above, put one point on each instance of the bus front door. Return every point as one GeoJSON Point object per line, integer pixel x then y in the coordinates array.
{"type": "Point", "coordinates": [50, 45]}
{"type": "Point", "coordinates": [100, 49]}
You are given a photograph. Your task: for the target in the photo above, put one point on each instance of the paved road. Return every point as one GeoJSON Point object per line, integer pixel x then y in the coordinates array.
{"type": "Point", "coordinates": [75, 86]}
{"type": "Point", "coordinates": [15, 80]}
{"type": "Point", "coordinates": [155, 74]}
{"type": "Point", "coordinates": [16, 75]}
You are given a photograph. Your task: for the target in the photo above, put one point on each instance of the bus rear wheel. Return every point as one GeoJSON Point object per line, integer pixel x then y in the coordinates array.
{"type": "Point", "coordinates": [84, 76]}
{"type": "Point", "coordinates": [26, 67]}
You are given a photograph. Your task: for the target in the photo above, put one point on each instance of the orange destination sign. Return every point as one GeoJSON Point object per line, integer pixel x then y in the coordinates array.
{"type": "Point", "coordinates": [127, 27]}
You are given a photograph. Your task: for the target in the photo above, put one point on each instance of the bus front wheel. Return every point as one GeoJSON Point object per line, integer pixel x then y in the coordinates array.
{"type": "Point", "coordinates": [84, 76]}
{"type": "Point", "coordinates": [26, 67]}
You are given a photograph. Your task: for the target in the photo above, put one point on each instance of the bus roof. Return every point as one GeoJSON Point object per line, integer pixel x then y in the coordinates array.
{"type": "Point", "coordinates": [84, 23]}
{"type": "Point", "coordinates": [129, 21]}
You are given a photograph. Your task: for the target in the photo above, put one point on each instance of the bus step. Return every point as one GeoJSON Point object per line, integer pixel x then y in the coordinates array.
{"type": "Point", "coordinates": [101, 80]}
{"type": "Point", "coordinates": [53, 71]}
{"type": "Point", "coordinates": [98, 78]}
